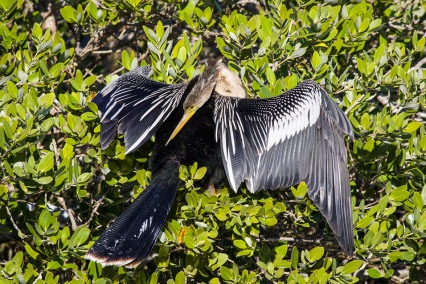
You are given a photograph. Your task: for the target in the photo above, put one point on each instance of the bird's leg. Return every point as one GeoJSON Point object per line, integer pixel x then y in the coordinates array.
{"type": "Point", "coordinates": [211, 187]}
{"type": "Point", "coordinates": [215, 178]}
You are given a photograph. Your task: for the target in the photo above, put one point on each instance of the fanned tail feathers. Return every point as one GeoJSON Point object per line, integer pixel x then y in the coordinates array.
{"type": "Point", "coordinates": [130, 238]}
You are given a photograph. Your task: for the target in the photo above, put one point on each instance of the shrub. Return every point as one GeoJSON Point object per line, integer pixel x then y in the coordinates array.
{"type": "Point", "coordinates": [59, 190]}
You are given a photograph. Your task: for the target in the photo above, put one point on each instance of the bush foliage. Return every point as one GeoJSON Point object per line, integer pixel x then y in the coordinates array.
{"type": "Point", "coordinates": [59, 190]}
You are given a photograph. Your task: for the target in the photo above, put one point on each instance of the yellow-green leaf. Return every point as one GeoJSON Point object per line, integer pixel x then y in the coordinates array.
{"type": "Point", "coordinates": [46, 163]}
{"type": "Point", "coordinates": [412, 126]}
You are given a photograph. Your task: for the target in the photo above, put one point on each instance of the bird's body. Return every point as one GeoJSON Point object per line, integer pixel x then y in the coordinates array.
{"type": "Point", "coordinates": [269, 144]}
{"type": "Point", "coordinates": [195, 142]}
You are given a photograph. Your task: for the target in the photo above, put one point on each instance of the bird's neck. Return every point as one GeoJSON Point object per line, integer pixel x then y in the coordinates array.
{"type": "Point", "coordinates": [229, 84]}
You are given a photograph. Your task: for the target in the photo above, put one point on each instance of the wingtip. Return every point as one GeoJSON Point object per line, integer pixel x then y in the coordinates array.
{"type": "Point", "coordinates": [348, 248]}
{"type": "Point", "coordinates": [350, 252]}
{"type": "Point", "coordinates": [128, 150]}
{"type": "Point", "coordinates": [346, 241]}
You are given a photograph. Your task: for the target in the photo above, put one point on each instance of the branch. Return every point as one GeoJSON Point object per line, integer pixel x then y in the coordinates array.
{"type": "Point", "coordinates": [20, 233]}
{"type": "Point", "coordinates": [55, 150]}
{"type": "Point", "coordinates": [418, 65]}
{"type": "Point", "coordinates": [62, 202]}
{"type": "Point", "coordinates": [95, 210]}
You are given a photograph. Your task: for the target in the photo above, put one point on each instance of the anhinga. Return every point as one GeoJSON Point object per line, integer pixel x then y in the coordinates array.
{"type": "Point", "coordinates": [266, 143]}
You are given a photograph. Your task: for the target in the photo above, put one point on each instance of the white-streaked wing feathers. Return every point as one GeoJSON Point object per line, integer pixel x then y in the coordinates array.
{"type": "Point", "coordinates": [279, 142]}
{"type": "Point", "coordinates": [136, 106]}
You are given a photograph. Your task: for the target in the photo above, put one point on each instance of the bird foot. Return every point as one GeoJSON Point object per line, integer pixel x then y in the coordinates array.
{"type": "Point", "coordinates": [212, 188]}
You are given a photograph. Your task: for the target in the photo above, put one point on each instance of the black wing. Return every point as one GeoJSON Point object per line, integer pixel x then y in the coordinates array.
{"type": "Point", "coordinates": [279, 142]}
{"type": "Point", "coordinates": [136, 106]}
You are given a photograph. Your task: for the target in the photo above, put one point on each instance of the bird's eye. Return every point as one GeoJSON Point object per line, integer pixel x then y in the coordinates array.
{"type": "Point", "coordinates": [192, 107]}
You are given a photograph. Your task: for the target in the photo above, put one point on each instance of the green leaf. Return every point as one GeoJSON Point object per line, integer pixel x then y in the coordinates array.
{"type": "Point", "coordinates": [316, 254]}
{"type": "Point", "coordinates": [46, 163]}
{"type": "Point", "coordinates": [69, 14]}
{"type": "Point", "coordinates": [56, 49]}
{"type": "Point", "coordinates": [83, 178]}
{"type": "Point", "coordinates": [90, 80]}
{"type": "Point", "coordinates": [45, 219]}
{"type": "Point", "coordinates": [159, 29]}
{"type": "Point", "coordinates": [180, 278]}
{"type": "Point", "coordinates": [316, 60]}
{"type": "Point", "coordinates": [153, 49]}
{"type": "Point", "coordinates": [364, 222]}
{"type": "Point", "coordinates": [31, 251]}
{"type": "Point", "coordinates": [412, 126]}
{"type": "Point", "coordinates": [374, 273]}
{"type": "Point", "coordinates": [222, 258]}
{"type": "Point", "coordinates": [240, 244]}
{"type": "Point", "coordinates": [44, 46]}
{"type": "Point", "coordinates": [294, 257]}
{"type": "Point", "coordinates": [47, 100]}
{"type": "Point", "coordinates": [189, 241]}
{"type": "Point", "coordinates": [422, 222]}
{"type": "Point", "coordinates": [362, 66]}
{"type": "Point", "coordinates": [125, 59]}
{"type": "Point", "coordinates": [298, 53]}
{"type": "Point", "coordinates": [376, 239]}
{"type": "Point", "coordinates": [44, 180]}
{"type": "Point", "coordinates": [153, 279]}
{"type": "Point", "coordinates": [352, 266]}
{"type": "Point", "coordinates": [12, 89]}
{"type": "Point", "coordinates": [374, 24]}
{"type": "Point", "coordinates": [270, 75]}
{"type": "Point", "coordinates": [226, 273]}
{"type": "Point", "coordinates": [399, 194]}
{"type": "Point", "coordinates": [37, 31]}
{"type": "Point", "coordinates": [418, 200]}
{"type": "Point", "coordinates": [52, 265]}
{"type": "Point", "coordinates": [200, 173]}
{"type": "Point", "coordinates": [380, 51]}
{"type": "Point", "coordinates": [79, 237]}
{"type": "Point", "coordinates": [282, 250]}
{"type": "Point", "coordinates": [18, 258]}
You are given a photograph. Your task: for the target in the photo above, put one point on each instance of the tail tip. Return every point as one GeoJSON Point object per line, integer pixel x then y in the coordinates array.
{"type": "Point", "coordinates": [108, 261]}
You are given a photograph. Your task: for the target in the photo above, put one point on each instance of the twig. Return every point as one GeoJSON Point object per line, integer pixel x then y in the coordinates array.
{"type": "Point", "coordinates": [103, 51]}
{"type": "Point", "coordinates": [20, 233]}
{"type": "Point", "coordinates": [418, 65]}
{"type": "Point", "coordinates": [117, 71]}
{"type": "Point", "coordinates": [62, 202]}
{"type": "Point", "coordinates": [348, 110]}
{"type": "Point", "coordinates": [55, 150]}
{"type": "Point", "coordinates": [95, 210]}
{"type": "Point", "coordinates": [362, 268]}
{"type": "Point", "coordinates": [288, 239]}
{"type": "Point", "coordinates": [243, 2]}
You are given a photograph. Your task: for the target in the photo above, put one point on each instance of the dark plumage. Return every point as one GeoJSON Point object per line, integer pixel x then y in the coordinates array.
{"type": "Point", "coordinates": [269, 144]}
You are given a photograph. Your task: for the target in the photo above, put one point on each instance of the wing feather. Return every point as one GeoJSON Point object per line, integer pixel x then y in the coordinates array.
{"type": "Point", "coordinates": [279, 142]}
{"type": "Point", "coordinates": [136, 106]}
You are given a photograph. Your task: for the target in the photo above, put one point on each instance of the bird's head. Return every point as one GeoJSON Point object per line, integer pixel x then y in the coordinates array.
{"type": "Point", "coordinates": [199, 94]}
{"type": "Point", "coordinates": [216, 77]}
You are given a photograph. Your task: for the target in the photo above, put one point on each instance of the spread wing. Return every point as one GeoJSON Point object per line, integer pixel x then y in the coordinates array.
{"type": "Point", "coordinates": [136, 106]}
{"type": "Point", "coordinates": [279, 142]}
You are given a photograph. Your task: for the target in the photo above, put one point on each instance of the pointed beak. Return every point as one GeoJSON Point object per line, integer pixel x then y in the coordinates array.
{"type": "Point", "coordinates": [186, 116]}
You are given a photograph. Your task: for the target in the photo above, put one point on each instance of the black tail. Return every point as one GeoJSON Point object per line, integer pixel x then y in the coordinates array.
{"type": "Point", "coordinates": [130, 238]}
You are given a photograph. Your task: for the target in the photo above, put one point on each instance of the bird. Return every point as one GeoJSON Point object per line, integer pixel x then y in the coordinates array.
{"type": "Point", "coordinates": [271, 143]}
